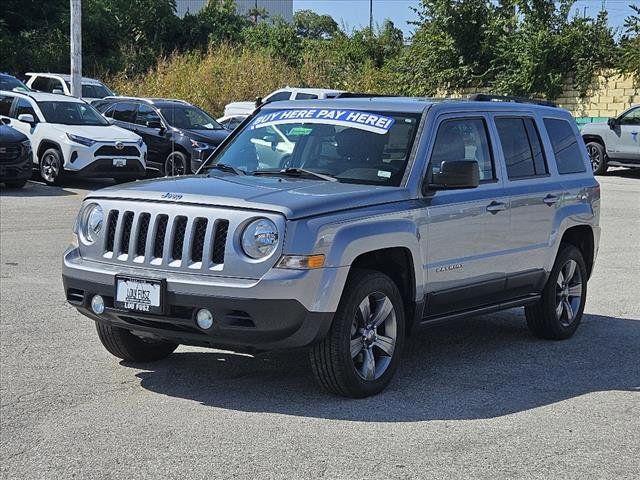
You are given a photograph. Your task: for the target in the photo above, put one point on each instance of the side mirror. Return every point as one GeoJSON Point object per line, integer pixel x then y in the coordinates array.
{"type": "Point", "coordinates": [272, 139]}
{"type": "Point", "coordinates": [26, 118]}
{"type": "Point", "coordinates": [456, 174]}
{"type": "Point", "coordinates": [612, 122]}
{"type": "Point", "coordinates": [154, 124]}
{"type": "Point", "coordinates": [258, 101]}
{"type": "Point", "coordinates": [5, 121]}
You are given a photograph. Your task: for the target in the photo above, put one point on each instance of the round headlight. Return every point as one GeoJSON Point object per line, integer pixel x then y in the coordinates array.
{"type": "Point", "coordinates": [260, 238]}
{"type": "Point", "coordinates": [92, 222]}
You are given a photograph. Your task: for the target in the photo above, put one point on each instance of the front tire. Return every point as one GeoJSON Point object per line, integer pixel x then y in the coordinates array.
{"type": "Point", "coordinates": [598, 157]}
{"type": "Point", "coordinates": [51, 166]}
{"type": "Point", "coordinates": [558, 313]}
{"type": "Point", "coordinates": [360, 353]}
{"type": "Point", "coordinates": [176, 164]}
{"type": "Point", "coordinates": [123, 344]}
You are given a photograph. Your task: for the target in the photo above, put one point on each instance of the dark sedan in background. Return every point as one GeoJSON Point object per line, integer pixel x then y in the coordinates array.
{"type": "Point", "coordinates": [179, 136]}
{"type": "Point", "coordinates": [16, 158]}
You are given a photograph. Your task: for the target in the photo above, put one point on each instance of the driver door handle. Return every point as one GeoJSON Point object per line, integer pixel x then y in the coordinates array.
{"type": "Point", "coordinates": [495, 207]}
{"type": "Point", "coordinates": [550, 199]}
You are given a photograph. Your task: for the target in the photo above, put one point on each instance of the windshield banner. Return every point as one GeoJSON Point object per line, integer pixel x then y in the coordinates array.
{"type": "Point", "coordinates": [372, 122]}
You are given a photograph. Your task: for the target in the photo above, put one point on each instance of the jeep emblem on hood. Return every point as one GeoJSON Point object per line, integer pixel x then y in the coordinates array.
{"type": "Point", "coordinates": [172, 196]}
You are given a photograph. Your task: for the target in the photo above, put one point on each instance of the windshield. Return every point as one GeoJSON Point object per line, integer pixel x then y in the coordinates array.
{"type": "Point", "coordinates": [189, 118]}
{"type": "Point", "coordinates": [71, 113]}
{"type": "Point", "coordinates": [9, 83]}
{"type": "Point", "coordinates": [351, 146]}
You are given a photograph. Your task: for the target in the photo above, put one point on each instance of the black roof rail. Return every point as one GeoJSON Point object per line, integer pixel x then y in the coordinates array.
{"type": "Point", "coordinates": [489, 97]}
{"type": "Point", "coordinates": [361, 95]}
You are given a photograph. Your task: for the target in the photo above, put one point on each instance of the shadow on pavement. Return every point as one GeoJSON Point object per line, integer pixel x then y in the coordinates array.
{"type": "Point", "coordinates": [624, 173]}
{"type": "Point", "coordinates": [479, 368]}
{"type": "Point", "coordinates": [37, 188]}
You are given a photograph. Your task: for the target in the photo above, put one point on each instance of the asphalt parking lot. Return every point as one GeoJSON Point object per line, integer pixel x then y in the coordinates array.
{"type": "Point", "coordinates": [480, 398]}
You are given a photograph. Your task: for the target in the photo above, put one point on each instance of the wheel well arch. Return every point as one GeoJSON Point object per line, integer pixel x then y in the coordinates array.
{"type": "Point", "coordinates": [581, 237]}
{"type": "Point", "coordinates": [46, 145]}
{"type": "Point", "coordinates": [397, 264]}
{"type": "Point", "coordinates": [592, 138]}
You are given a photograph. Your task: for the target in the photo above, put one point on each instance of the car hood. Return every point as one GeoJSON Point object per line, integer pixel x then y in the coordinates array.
{"type": "Point", "coordinates": [109, 133]}
{"type": "Point", "coordinates": [292, 197]}
{"type": "Point", "coordinates": [213, 137]}
{"type": "Point", "coordinates": [11, 135]}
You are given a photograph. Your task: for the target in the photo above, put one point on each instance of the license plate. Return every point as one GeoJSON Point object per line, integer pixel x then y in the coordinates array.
{"type": "Point", "coordinates": [119, 162]}
{"type": "Point", "coordinates": [139, 295]}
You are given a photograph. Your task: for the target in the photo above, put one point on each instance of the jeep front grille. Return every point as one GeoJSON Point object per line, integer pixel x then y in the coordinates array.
{"type": "Point", "coordinates": [163, 240]}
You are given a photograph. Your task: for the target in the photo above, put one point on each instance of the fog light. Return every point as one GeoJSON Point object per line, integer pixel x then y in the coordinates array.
{"type": "Point", "coordinates": [97, 304]}
{"type": "Point", "coordinates": [204, 319]}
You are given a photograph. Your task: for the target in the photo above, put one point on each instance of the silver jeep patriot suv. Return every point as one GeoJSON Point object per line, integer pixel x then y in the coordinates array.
{"type": "Point", "coordinates": [338, 226]}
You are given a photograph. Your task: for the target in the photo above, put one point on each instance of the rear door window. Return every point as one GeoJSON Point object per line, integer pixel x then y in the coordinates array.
{"type": "Point", "coordinates": [146, 114]}
{"type": "Point", "coordinates": [42, 84]}
{"type": "Point", "coordinates": [521, 147]}
{"type": "Point", "coordinates": [565, 146]}
{"type": "Point", "coordinates": [125, 112]}
{"type": "Point", "coordinates": [279, 97]}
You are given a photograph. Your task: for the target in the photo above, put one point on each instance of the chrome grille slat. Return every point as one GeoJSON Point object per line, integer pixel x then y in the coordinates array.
{"type": "Point", "coordinates": [187, 242]}
{"type": "Point", "coordinates": [118, 236]}
{"type": "Point", "coordinates": [168, 241]}
{"type": "Point", "coordinates": [151, 239]}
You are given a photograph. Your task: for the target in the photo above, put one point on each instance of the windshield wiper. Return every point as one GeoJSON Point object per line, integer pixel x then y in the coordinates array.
{"type": "Point", "coordinates": [296, 172]}
{"type": "Point", "coordinates": [228, 168]}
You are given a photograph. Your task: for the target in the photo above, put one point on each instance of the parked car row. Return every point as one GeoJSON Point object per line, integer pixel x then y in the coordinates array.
{"type": "Point", "coordinates": [104, 135]}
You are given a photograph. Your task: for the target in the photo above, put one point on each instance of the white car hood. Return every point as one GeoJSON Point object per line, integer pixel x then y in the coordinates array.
{"type": "Point", "coordinates": [110, 133]}
{"type": "Point", "coordinates": [239, 108]}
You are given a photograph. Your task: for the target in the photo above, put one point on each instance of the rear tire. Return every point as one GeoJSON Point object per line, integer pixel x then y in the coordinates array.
{"type": "Point", "coordinates": [598, 157]}
{"type": "Point", "coordinates": [51, 166]}
{"type": "Point", "coordinates": [360, 353]}
{"type": "Point", "coordinates": [123, 344]}
{"type": "Point", "coordinates": [558, 313]}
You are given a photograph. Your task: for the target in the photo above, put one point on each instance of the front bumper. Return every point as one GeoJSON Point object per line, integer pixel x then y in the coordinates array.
{"type": "Point", "coordinates": [104, 168]}
{"type": "Point", "coordinates": [250, 315]}
{"type": "Point", "coordinates": [16, 171]}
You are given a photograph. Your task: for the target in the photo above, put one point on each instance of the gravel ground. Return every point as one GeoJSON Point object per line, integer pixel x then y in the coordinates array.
{"type": "Point", "coordinates": [480, 398]}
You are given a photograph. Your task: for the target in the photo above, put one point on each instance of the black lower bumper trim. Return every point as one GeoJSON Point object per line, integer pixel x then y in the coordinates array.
{"type": "Point", "coordinates": [104, 168]}
{"type": "Point", "coordinates": [239, 324]}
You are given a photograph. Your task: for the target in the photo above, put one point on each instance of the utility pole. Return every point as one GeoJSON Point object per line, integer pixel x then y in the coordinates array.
{"type": "Point", "coordinates": [371, 17]}
{"type": "Point", "coordinates": [76, 48]}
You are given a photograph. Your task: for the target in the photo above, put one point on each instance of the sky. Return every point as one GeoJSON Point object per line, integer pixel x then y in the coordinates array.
{"type": "Point", "coordinates": [355, 13]}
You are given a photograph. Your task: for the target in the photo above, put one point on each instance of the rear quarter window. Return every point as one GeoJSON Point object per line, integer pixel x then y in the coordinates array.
{"type": "Point", "coordinates": [567, 153]}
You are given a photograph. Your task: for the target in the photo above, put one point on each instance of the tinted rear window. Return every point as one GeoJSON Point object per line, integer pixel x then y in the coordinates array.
{"type": "Point", "coordinates": [521, 147]}
{"type": "Point", "coordinates": [565, 146]}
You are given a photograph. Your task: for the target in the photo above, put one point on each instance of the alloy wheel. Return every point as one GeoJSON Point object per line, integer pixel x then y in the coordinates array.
{"type": "Point", "coordinates": [49, 168]}
{"type": "Point", "coordinates": [568, 293]}
{"type": "Point", "coordinates": [595, 156]}
{"type": "Point", "coordinates": [175, 165]}
{"type": "Point", "coordinates": [373, 336]}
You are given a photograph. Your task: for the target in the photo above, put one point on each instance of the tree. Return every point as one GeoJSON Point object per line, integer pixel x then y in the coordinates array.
{"type": "Point", "coordinates": [629, 59]}
{"type": "Point", "coordinates": [309, 24]}
{"type": "Point", "coordinates": [277, 38]}
{"type": "Point", "coordinates": [257, 13]}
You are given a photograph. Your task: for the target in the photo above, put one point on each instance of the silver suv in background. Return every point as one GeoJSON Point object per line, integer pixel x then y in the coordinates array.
{"type": "Point", "coordinates": [382, 214]}
{"type": "Point", "coordinates": [615, 143]}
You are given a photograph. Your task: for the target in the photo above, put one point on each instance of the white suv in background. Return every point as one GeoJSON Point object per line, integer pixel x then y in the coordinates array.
{"type": "Point", "coordinates": [69, 136]}
{"type": "Point", "coordinates": [92, 89]}
{"type": "Point", "coordinates": [287, 93]}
